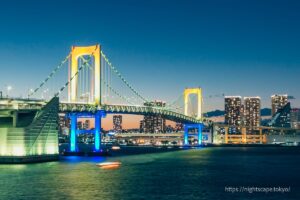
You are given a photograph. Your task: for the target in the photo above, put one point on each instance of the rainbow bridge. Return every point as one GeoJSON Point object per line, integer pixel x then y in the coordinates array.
{"type": "Point", "coordinates": [90, 93]}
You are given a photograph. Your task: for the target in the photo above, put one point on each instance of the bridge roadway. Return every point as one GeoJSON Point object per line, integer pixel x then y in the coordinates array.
{"type": "Point", "coordinates": [179, 134]}
{"type": "Point", "coordinates": [8, 105]}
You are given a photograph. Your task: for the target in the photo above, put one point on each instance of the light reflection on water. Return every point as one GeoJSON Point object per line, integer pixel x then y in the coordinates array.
{"type": "Point", "coordinates": [192, 174]}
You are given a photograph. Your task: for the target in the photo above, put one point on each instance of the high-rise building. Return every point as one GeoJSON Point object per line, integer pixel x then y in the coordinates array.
{"type": "Point", "coordinates": [142, 126]}
{"type": "Point", "coordinates": [80, 125]}
{"type": "Point", "coordinates": [179, 126]}
{"type": "Point", "coordinates": [64, 124]}
{"type": "Point", "coordinates": [156, 103]}
{"type": "Point", "coordinates": [282, 117]}
{"type": "Point", "coordinates": [233, 112]}
{"type": "Point", "coordinates": [153, 123]}
{"type": "Point", "coordinates": [278, 102]}
{"type": "Point", "coordinates": [295, 118]}
{"type": "Point", "coordinates": [86, 124]}
{"type": "Point", "coordinates": [64, 121]}
{"type": "Point", "coordinates": [251, 113]}
{"type": "Point", "coordinates": [117, 123]}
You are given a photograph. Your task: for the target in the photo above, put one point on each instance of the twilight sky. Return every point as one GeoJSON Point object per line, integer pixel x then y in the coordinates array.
{"type": "Point", "coordinates": [247, 48]}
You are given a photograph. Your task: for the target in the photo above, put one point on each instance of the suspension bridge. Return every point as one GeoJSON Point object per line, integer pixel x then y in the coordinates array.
{"type": "Point", "coordinates": [90, 86]}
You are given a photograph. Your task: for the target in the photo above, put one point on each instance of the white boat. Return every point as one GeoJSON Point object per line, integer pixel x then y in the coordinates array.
{"type": "Point", "coordinates": [109, 165]}
{"type": "Point", "coordinates": [115, 148]}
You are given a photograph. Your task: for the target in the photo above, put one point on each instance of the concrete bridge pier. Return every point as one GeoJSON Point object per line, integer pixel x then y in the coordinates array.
{"type": "Point", "coordinates": [97, 131]}
{"type": "Point", "coordinates": [73, 132]}
{"type": "Point", "coordinates": [187, 127]}
{"type": "Point", "coordinates": [15, 118]}
{"type": "Point", "coordinates": [98, 116]}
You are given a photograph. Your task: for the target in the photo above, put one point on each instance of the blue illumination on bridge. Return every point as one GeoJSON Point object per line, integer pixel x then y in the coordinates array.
{"type": "Point", "coordinates": [197, 127]}
{"type": "Point", "coordinates": [98, 117]}
{"type": "Point", "coordinates": [73, 118]}
{"type": "Point", "coordinates": [87, 85]}
{"type": "Point", "coordinates": [97, 131]}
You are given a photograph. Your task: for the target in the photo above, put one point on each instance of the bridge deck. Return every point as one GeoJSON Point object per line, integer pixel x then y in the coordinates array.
{"type": "Point", "coordinates": [32, 104]}
{"type": "Point", "coordinates": [126, 109]}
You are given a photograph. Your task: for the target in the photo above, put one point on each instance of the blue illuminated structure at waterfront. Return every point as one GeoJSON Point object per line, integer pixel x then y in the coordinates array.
{"type": "Point", "coordinates": [187, 127]}
{"type": "Point", "coordinates": [97, 131]}
{"type": "Point", "coordinates": [98, 116]}
{"type": "Point", "coordinates": [73, 118]}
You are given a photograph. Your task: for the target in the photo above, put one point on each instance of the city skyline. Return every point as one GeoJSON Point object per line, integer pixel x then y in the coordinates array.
{"type": "Point", "coordinates": [255, 63]}
{"type": "Point", "coordinates": [158, 99]}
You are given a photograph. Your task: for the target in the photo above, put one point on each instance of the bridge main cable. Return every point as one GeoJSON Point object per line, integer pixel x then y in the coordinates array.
{"type": "Point", "coordinates": [50, 75]}
{"type": "Point", "coordinates": [76, 74]}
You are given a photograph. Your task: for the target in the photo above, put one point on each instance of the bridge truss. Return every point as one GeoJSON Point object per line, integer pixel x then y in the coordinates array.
{"type": "Point", "coordinates": [95, 84]}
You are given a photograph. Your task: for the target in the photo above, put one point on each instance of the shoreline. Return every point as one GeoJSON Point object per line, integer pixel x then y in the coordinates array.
{"type": "Point", "coordinates": [107, 151]}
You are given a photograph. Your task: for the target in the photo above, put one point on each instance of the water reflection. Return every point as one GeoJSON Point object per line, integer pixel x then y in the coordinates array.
{"type": "Point", "coordinates": [109, 165]}
{"type": "Point", "coordinates": [189, 174]}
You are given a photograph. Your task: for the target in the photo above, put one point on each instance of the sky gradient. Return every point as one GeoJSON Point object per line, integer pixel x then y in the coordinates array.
{"type": "Point", "coordinates": [247, 48]}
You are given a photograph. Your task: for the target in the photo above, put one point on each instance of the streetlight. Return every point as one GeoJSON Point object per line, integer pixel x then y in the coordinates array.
{"type": "Point", "coordinates": [30, 92]}
{"type": "Point", "coordinates": [8, 88]}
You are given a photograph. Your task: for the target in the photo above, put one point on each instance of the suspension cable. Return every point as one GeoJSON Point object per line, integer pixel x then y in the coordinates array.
{"type": "Point", "coordinates": [116, 93]}
{"type": "Point", "coordinates": [121, 77]}
{"type": "Point", "coordinates": [86, 63]}
{"type": "Point", "coordinates": [50, 75]}
{"type": "Point", "coordinates": [174, 102]}
{"type": "Point", "coordinates": [71, 78]}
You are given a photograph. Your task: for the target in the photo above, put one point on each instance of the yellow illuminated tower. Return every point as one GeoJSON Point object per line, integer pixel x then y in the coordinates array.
{"type": "Point", "coordinates": [76, 52]}
{"type": "Point", "coordinates": [198, 92]}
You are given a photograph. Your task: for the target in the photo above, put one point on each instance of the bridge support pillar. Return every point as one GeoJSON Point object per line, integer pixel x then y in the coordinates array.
{"type": "Point", "coordinates": [98, 117]}
{"type": "Point", "coordinates": [15, 119]}
{"type": "Point", "coordinates": [97, 131]}
{"type": "Point", "coordinates": [73, 118]}
{"type": "Point", "coordinates": [198, 127]}
{"type": "Point", "coordinates": [186, 135]}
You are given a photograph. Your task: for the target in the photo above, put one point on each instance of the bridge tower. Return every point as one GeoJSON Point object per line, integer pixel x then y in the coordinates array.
{"type": "Point", "coordinates": [76, 52]}
{"type": "Point", "coordinates": [95, 92]}
{"type": "Point", "coordinates": [187, 93]}
{"type": "Point", "coordinates": [198, 127]}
